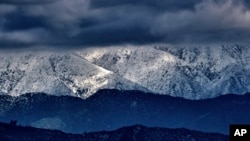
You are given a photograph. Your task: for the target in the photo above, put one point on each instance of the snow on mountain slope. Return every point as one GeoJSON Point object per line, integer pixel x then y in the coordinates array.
{"type": "Point", "coordinates": [189, 72]}
{"type": "Point", "coordinates": [56, 73]}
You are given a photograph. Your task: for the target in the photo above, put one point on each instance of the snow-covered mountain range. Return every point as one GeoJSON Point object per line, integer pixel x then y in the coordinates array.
{"type": "Point", "coordinates": [57, 74]}
{"type": "Point", "coordinates": [196, 72]}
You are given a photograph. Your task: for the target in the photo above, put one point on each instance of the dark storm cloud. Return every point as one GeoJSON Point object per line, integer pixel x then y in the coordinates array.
{"type": "Point", "coordinates": [156, 4]}
{"type": "Point", "coordinates": [107, 22]}
{"type": "Point", "coordinates": [22, 22]}
{"type": "Point", "coordinates": [25, 1]}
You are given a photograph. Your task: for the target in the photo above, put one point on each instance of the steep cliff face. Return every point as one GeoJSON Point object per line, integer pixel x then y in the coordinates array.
{"type": "Point", "coordinates": [191, 72]}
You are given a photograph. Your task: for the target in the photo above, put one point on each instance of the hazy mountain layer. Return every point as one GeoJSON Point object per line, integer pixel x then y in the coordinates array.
{"type": "Point", "coordinates": [112, 109]}
{"type": "Point", "coordinates": [141, 133]}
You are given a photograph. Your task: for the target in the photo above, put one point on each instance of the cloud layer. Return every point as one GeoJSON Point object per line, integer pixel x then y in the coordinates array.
{"type": "Point", "coordinates": [74, 23]}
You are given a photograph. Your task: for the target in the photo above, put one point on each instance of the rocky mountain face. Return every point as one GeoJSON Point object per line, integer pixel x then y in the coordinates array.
{"type": "Point", "coordinates": [10, 132]}
{"type": "Point", "coordinates": [191, 72]}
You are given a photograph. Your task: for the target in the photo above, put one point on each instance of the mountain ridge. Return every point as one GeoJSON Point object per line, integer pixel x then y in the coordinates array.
{"type": "Point", "coordinates": [197, 72]}
{"type": "Point", "coordinates": [66, 74]}
{"type": "Point", "coordinates": [192, 72]}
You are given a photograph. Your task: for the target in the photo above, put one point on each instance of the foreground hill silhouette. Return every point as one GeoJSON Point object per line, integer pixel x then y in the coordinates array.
{"type": "Point", "coordinates": [10, 132]}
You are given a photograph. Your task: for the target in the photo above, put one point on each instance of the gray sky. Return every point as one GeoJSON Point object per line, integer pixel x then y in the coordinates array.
{"type": "Point", "coordinates": [74, 23]}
